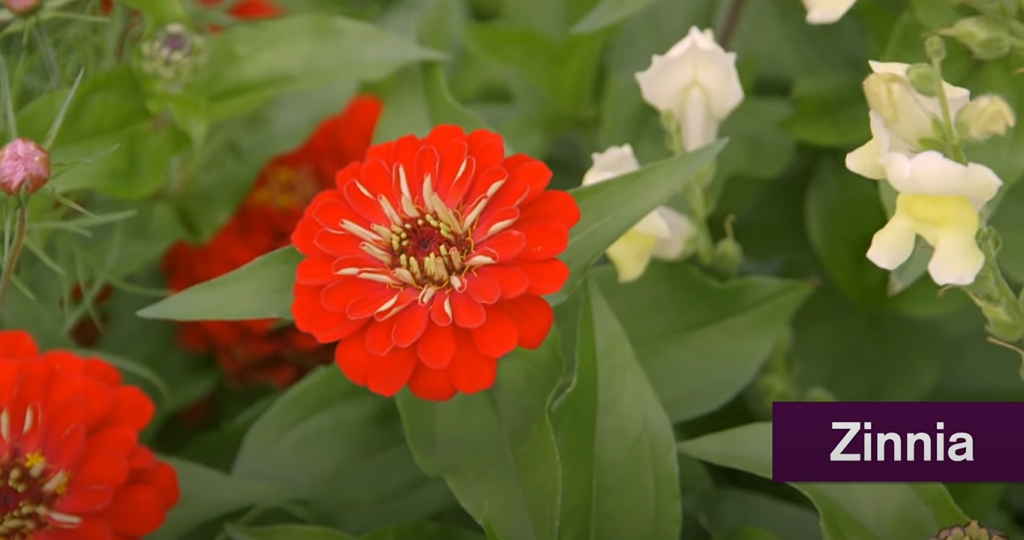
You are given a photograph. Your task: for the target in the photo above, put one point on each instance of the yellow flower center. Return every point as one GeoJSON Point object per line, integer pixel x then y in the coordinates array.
{"type": "Point", "coordinates": [934, 214]}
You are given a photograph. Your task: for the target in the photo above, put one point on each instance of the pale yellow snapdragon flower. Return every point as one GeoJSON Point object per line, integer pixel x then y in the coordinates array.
{"type": "Point", "coordinates": [661, 234]}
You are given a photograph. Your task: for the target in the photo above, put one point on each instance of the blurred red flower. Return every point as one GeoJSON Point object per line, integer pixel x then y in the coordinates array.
{"type": "Point", "coordinates": [241, 9]}
{"type": "Point", "coordinates": [428, 262]}
{"type": "Point", "coordinates": [247, 9]}
{"type": "Point", "coordinates": [265, 350]}
{"type": "Point", "coordinates": [71, 467]}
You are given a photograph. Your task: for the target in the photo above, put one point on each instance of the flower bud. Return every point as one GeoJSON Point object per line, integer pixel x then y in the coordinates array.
{"type": "Point", "coordinates": [984, 117]}
{"type": "Point", "coordinates": [970, 531]}
{"type": "Point", "coordinates": [697, 99]}
{"type": "Point", "coordinates": [896, 101]}
{"type": "Point", "coordinates": [727, 257]}
{"type": "Point", "coordinates": [24, 165]}
{"type": "Point", "coordinates": [987, 38]}
{"type": "Point", "coordinates": [936, 48]}
{"type": "Point", "coordinates": [924, 79]}
{"type": "Point", "coordinates": [23, 7]}
{"type": "Point", "coordinates": [172, 55]}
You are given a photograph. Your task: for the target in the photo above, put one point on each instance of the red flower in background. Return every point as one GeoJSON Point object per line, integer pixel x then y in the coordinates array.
{"type": "Point", "coordinates": [247, 9]}
{"type": "Point", "coordinates": [71, 467]}
{"type": "Point", "coordinates": [428, 262]}
{"type": "Point", "coordinates": [264, 350]}
{"type": "Point", "coordinates": [242, 9]}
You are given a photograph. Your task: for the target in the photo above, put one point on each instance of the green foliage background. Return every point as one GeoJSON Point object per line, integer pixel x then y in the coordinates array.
{"type": "Point", "coordinates": [644, 414]}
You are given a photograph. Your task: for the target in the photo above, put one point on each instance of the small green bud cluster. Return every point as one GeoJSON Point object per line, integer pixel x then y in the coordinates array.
{"type": "Point", "coordinates": [969, 531]}
{"type": "Point", "coordinates": [172, 55]}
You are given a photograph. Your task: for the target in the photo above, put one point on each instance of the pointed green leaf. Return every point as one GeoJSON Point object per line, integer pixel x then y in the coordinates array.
{"type": "Point", "coordinates": [285, 532]}
{"type": "Point", "coordinates": [208, 494]}
{"type": "Point", "coordinates": [617, 448]}
{"type": "Point", "coordinates": [847, 511]}
{"type": "Point", "coordinates": [683, 326]}
{"type": "Point", "coordinates": [609, 209]}
{"type": "Point", "coordinates": [607, 13]}
{"type": "Point", "coordinates": [496, 449]}
{"type": "Point", "coordinates": [259, 290]}
{"type": "Point", "coordinates": [341, 449]}
{"type": "Point", "coordinates": [254, 62]}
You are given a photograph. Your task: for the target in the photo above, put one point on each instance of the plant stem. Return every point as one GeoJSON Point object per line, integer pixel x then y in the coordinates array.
{"type": "Point", "coordinates": [952, 139]}
{"type": "Point", "coordinates": [21, 225]}
{"type": "Point", "coordinates": [731, 21]}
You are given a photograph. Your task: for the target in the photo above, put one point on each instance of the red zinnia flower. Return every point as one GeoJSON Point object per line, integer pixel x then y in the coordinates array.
{"type": "Point", "coordinates": [242, 9]}
{"type": "Point", "coordinates": [428, 262]}
{"type": "Point", "coordinates": [71, 467]}
{"type": "Point", "coordinates": [263, 350]}
{"type": "Point", "coordinates": [247, 9]}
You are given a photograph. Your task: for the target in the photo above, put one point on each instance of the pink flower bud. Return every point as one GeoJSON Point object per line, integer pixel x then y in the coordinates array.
{"type": "Point", "coordinates": [22, 7]}
{"type": "Point", "coordinates": [23, 165]}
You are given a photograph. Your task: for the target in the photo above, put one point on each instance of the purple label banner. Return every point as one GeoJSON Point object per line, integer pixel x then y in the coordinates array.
{"type": "Point", "coordinates": [897, 442]}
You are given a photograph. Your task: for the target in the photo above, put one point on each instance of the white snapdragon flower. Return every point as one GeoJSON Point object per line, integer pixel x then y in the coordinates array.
{"type": "Point", "coordinates": [663, 233]}
{"type": "Point", "coordinates": [827, 11]}
{"type": "Point", "coordinates": [939, 199]}
{"type": "Point", "coordinates": [697, 83]}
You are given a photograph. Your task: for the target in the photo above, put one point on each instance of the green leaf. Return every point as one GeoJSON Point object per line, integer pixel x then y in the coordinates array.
{"type": "Point", "coordinates": [757, 148]}
{"type": "Point", "coordinates": [341, 449]}
{"type": "Point", "coordinates": [417, 100]}
{"type": "Point", "coordinates": [115, 145]}
{"type": "Point", "coordinates": [609, 209]}
{"type": "Point", "coordinates": [725, 509]}
{"type": "Point", "coordinates": [842, 214]}
{"type": "Point", "coordinates": [683, 327]}
{"type": "Point", "coordinates": [564, 71]}
{"type": "Point", "coordinates": [496, 449]}
{"type": "Point", "coordinates": [254, 62]}
{"type": "Point", "coordinates": [617, 448]}
{"type": "Point", "coordinates": [411, 531]}
{"type": "Point", "coordinates": [207, 494]}
{"type": "Point", "coordinates": [937, 13]}
{"type": "Point", "coordinates": [607, 13]}
{"type": "Point", "coordinates": [848, 511]}
{"type": "Point", "coordinates": [441, 105]}
{"type": "Point", "coordinates": [830, 111]}
{"type": "Point", "coordinates": [159, 12]}
{"type": "Point", "coordinates": [285, 532]}
{"type": "Point", "coordinates": [228, 163]}
{"type": "Point", "coordinates": [866, 353]}
{"type": "Point", "coordinates": [748, 533]}
{"type": "Point", "coordinates": [422, 531]}
{"type": "Point", "coordinates": [259, 290]}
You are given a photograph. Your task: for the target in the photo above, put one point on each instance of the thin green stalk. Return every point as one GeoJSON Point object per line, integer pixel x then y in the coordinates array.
{"type": "Point", "coordinates": [20, 226]}
{"type": "Point", "coordinates": [49, 55]}
{"type": "Point", "coordinates": [952, 139]}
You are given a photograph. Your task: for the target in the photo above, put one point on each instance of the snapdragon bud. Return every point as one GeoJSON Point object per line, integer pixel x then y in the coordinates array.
{"type": "Point", "coordinates": [24, 166]}
{"type": "Point", "coordinates": [899, 105]}
{"type": "Point", "coordinates": [984, 117]}
{"type": "Point", "coordinates": [924, 79]}
{"type": "Point", "coordinates": [988, 38]}
{"type": "Point", "coordinates": [172, 55]}
{"type": "Point", "coordinates": [936, 48]}
{"type": "Point", "coordinates": [23, 7]}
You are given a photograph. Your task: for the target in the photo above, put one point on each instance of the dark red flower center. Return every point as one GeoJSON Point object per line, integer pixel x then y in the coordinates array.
{"type": "Point", "coordinates": [29, 490]}
{"type": "Point", "coordinates": [428, 250]}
